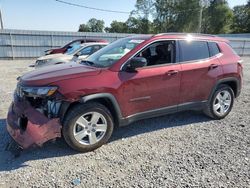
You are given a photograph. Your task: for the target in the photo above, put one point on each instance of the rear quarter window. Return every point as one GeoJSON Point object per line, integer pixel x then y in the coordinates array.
{"type": "Point", "coordinates": [213, 48]}
{"type": "Point", "coordinates": [193, 50]}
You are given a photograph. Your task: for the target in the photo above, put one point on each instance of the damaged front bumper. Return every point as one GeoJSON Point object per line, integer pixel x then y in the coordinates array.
{"type": "Point", "coordinates": [29, 127]}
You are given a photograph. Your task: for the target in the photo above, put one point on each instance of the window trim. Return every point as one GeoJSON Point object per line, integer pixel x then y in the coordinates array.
{"type": "Point", "coordinates": [177, 54]}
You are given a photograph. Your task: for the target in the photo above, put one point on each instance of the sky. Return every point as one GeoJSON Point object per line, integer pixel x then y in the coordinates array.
{"type": "Point", "coordinates": [54, 16]}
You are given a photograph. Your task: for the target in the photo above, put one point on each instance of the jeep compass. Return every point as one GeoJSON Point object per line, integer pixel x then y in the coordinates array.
{"type": "Point", "coordinates": [131, 79]}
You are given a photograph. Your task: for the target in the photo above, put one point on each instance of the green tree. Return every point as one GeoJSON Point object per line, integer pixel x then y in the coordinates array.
{"type": "Point", "coordinates": [188, 15]}
{"type": "Point", "coordinates": [177, 16]}
{"type": "Point", "coordinates": [248, 13]}
{"type": "Point", "coordinates": [240, 19]}
{"type": "Point", "coordinates": [141, 14]}
{"type": "Point", "coordinates": [93, 25]}
{"type": "Point", "coordinates": [139, 25]}
{"type": "Point", "coordinates": [96, 25]}
{"type": "Point", "coordinates": [132, 25]}
{"type": "Point", "coordinates": [117, 27]}
{"type": "Point", "coordinates": [219, 17]}
{"type": "Point", "coordinates": [144, 8]}
{"type": "Point", "coordinates": [164, 16]}
{"type": "Point", "coordinates": [84, 28]}
{"type": "Point", "coordinates": [205, 20]}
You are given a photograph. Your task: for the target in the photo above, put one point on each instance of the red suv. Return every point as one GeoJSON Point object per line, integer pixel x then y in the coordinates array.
{"type": "Point", "coordinates": [71, 44]}
{"type": "Point", "coordinates": [131, 79]}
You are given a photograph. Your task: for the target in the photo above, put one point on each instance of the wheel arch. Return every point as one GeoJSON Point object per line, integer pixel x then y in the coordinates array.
{"type": "Point", "coordinates": [233, 82]}
{"type": "Point", "coordinates": [107, 100]}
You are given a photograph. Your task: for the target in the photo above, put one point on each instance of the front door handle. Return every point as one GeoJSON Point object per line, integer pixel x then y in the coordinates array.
{"type": "Point", "coordinates": [213, 66]}
{"type": "Point", "coordinates": [172, 72]}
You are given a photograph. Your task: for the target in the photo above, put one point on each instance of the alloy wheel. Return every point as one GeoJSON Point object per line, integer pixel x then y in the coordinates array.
{"type": "Point", "coordinates": [222, 103]}
{"type": "Point", "coordinates": [90, 128]}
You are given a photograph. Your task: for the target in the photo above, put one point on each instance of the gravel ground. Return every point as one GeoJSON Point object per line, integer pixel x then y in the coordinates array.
{"type": "Point", "coordinates": [182, 150]}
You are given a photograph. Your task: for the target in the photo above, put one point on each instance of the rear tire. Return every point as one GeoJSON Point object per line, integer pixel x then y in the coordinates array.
{"type": "Point", "coordinates": [221, 102]}
{"type": "Point", "coordinates": [87, 126]}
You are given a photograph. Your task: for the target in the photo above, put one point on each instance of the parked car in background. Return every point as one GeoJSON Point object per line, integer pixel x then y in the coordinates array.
{"type": "Point", "coordinates": [75, 53]}
{"type": "Point", "coordinates": [131, 79]}
{"type": "Point", "coordinates": [69, 45]}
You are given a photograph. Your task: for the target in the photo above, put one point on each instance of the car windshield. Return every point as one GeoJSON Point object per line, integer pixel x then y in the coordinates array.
{"type": "Point", "coordinates": [70, 44]}
{"type": "Point", "coordinates": [73, 49]}
{"type": "Point", "coordinates": [110, 54]}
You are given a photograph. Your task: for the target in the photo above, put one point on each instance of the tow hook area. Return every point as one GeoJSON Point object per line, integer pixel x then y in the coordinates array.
{"type": "Point", "coordinates": [14, 148]}
{"type": "Point", "coordinates": [35, 130]}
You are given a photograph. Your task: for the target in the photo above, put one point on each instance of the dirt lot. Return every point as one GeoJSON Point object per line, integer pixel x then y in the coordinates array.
{"type": "Point", "coordinates": [186, 149]}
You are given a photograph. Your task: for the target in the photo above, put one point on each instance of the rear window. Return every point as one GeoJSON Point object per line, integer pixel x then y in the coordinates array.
{"type": "Point", "coordinates": [213, 48]}
{"type": "Point", "coordinates": [193, 50]}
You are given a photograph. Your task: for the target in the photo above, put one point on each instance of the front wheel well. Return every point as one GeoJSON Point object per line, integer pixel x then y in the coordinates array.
{"type": "Point", "coordinates": [104, 101]}
{"type": "Point", "coordinates": [109, 105]}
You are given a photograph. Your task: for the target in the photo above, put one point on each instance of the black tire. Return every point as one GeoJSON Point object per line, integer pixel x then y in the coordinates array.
{"type": "Point", "coordinates": [209, 110]}
{"type": "Point", "coordinates": [75, 113]}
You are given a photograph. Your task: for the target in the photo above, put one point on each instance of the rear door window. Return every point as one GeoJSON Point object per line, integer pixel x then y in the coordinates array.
{"type": "Point", "coordinates": [193, 50]}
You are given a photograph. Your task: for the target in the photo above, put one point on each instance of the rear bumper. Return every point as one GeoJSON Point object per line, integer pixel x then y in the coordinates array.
{"type": "Point", "coordinates": [238, 92]}
{"type": "Point", "coordinates": [239, 88]}
{"type": "Point", "coordinates": [29, 127]}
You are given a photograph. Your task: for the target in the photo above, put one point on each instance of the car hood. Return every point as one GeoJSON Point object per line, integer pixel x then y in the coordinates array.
{"type": "Point", "coordinates": [47, 75]}
{"type": "Point", "coordinates": [55, 56]}
{"type": "Point", "coordinates": [51, 49]}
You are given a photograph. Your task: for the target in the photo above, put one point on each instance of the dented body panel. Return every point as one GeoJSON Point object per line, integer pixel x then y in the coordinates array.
{"type": "Point", "coordinates": [36, 130]}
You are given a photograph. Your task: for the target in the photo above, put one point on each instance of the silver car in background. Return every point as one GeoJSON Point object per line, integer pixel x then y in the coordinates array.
{"type": "Point", "coordinates": [75, 54]}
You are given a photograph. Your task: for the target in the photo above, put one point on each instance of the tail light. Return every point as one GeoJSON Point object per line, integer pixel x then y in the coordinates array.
{"type": "Point", "coordinates": [240, 61]}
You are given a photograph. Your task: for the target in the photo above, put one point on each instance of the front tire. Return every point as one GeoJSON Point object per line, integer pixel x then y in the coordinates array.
{"type": "Point", "coordinates": [221, 103]}
{"type": "Point", "coordinates": [88, 126]}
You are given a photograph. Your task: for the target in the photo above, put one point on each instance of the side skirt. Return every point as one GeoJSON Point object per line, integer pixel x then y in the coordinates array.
{"type": "Point", "coordinates": [162, 111]}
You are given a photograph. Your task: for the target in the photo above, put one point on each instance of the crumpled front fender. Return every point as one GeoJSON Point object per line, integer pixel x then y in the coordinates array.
{"type": "Point", "coordinates": [37, 130]}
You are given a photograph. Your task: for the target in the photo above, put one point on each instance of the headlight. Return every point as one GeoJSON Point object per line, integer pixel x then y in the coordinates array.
{"type": "Point", "coordinates": [39, 91]}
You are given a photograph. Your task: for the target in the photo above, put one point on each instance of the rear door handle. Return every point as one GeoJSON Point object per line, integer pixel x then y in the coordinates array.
{"type": "Point", "coordinates": [172, 72]}
{"type": "Point", "coordinates": [213, 66]}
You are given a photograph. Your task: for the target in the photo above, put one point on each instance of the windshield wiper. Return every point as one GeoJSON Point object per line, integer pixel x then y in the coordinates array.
{"type": "Point", "coordinates": [89, 63]}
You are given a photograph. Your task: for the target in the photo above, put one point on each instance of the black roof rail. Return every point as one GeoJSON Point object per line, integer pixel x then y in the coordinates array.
{"type": "Point", "coordinates": [193, 34]}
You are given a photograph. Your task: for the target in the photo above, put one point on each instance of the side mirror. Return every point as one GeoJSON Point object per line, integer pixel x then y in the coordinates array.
{"type": "Point", "coordinates": [134, 63]}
